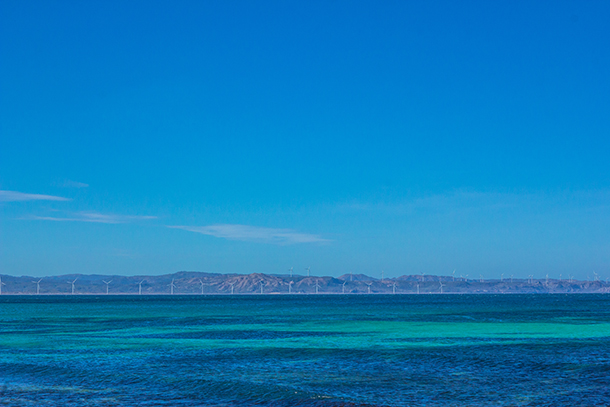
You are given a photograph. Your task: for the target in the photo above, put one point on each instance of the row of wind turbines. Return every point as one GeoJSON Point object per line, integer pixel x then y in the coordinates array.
{"type": "Point", "coordinates": [317, 287]}
{"type": "Point", "coordinates": [172, 286]}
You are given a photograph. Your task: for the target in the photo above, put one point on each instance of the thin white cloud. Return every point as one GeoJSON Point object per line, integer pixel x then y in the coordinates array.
{"type": "Point", "coordinates": [473, 200]}
{"type": "Point", "coordinates": [95, 217]}
{"type": "Point", "coordinates": [254, 234]}
{"type": "Point", "coordinates": [67, 183]}
{"type": "Point", "coordinates": [15, 196]}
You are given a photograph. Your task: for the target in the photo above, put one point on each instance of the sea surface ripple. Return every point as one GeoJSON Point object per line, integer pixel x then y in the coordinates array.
{"type": "Point", "coordinates": [305, 350]}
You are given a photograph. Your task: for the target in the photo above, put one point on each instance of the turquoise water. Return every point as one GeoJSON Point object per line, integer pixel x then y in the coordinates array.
{"type": "Point", "coordinates": [315, 350]}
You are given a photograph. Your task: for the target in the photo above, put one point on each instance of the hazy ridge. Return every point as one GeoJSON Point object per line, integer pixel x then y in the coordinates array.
{"type": "Point", "coordinates": [191, 282]}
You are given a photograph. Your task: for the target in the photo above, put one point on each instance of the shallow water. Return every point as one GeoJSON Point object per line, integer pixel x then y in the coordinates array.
{"type": "Point", "coordinates": [315, 350]}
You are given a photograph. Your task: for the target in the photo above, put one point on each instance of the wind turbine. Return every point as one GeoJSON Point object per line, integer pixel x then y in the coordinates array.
{"type": "Point", "coordinates": [171, 287]}
{"type": "Point", "coordinates": [423, 276]}
{"type": "Point", "coordinates": [262, 282]}
{"type": "Point", "coordinates": [307, 271]}
{"type": "Point", "coordinates": [317, 286]}
{"type": "Point", "coordinates": [343, 289]}
{"type": "Point", "coordinates": [37, 286]}
{"type": "Point", "coordinates": [1, 284]}
{"type": "Point", "coordinates": [441, 283]}
{"type": "Point", "coordinates": [453, 274]}
{"type": "Point", "coordinates": [290, 269]}
{"type": "Point", "coordinates": [369, 284]}
{"type": "Point", "coordinates": [232, 284]}
{"type": "Point", "coordinates": [140, 287]}
{"type": "Point", "coordinates": [72, 282]}
{"type": "Point", "coordinates": [394, 287]}
{"type": "Point", "coordinates": [290, 287]}
{"type": "Point", "coordinates": [201, 282]}
{"type": "Point", "coordinates": [107, 283]}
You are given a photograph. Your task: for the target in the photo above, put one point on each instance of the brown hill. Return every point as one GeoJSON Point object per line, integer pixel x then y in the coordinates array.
{"type": "Point", "coordinates": [193, 282]}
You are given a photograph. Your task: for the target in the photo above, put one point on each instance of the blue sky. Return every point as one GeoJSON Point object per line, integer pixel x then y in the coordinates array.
{"type": "Point", "coordinates": [423, 136]}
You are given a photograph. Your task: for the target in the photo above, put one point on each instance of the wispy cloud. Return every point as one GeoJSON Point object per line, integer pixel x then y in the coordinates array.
{"type": "Point", "coordinates": [254, 234]}
{"type": "Point", "coordinates": [15, 196]}
{"type": "Point", "coordinates": [67, 183]}
{"type": "Point", "coordinates": [464, 200]}
{"type": "Point", "coordinates": [94, 217]}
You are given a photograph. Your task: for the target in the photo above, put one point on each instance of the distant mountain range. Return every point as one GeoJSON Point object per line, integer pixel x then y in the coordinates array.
{"type": "Point", "coordinates": [191, 282]}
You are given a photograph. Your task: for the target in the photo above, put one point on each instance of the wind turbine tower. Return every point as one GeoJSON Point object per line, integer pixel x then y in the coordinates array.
{"type": "Point", "coordinates": [262, 283]}
{"type": "Point", "coordinates": [369, 286]}
{"type": "Point", "coordinates": [307, 271]}
{"type": "Point", "coordinates": [140, 287]}
{"type": "Point", "coordinates": [441, 283]}
{"type": "Point", "coordinates": [72, 283]}
{"type": "Point", "coordinates": [290, 287]}
{"type": "Point", "coordinates": [394, 287]}
{"type": "Point", "coordinates": [317, 286]}
{"type": "Point", "coordinates": [343, 288]}
{"type": "Point", "coordinates": [37, 286]}
{"type": "Point", "coordinates": [232, 287]}
{"type": "Point", "coordinates": [1, 284]}
{"type": "Point", "coordinates": [171, 287]}
{"type": "Point", "coordinates": [107, 283]}
{"type": "Point", "coordinates": [201, 282]}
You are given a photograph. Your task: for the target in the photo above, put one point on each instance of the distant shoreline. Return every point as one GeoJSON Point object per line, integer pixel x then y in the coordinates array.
{"type": "Point", "coordinates": [193, 283]}
{"type": "Point", "coordinates": [281, 294]}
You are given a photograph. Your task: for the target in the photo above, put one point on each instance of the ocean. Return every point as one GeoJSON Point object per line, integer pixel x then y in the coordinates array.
{"type": "Point", "coordinates": [305, 350]}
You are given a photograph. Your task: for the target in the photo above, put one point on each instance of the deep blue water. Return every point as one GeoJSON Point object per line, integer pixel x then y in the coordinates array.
{"type": "Point", "coordinates": [316, 350]}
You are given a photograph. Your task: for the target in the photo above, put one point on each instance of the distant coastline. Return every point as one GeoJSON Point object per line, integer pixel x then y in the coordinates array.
{"type": "Point", "coordinates": [200, 283]}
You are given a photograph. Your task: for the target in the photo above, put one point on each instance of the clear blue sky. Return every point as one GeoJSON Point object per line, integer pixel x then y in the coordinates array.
{"type": "Point", "coordinates": [409, 136]}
